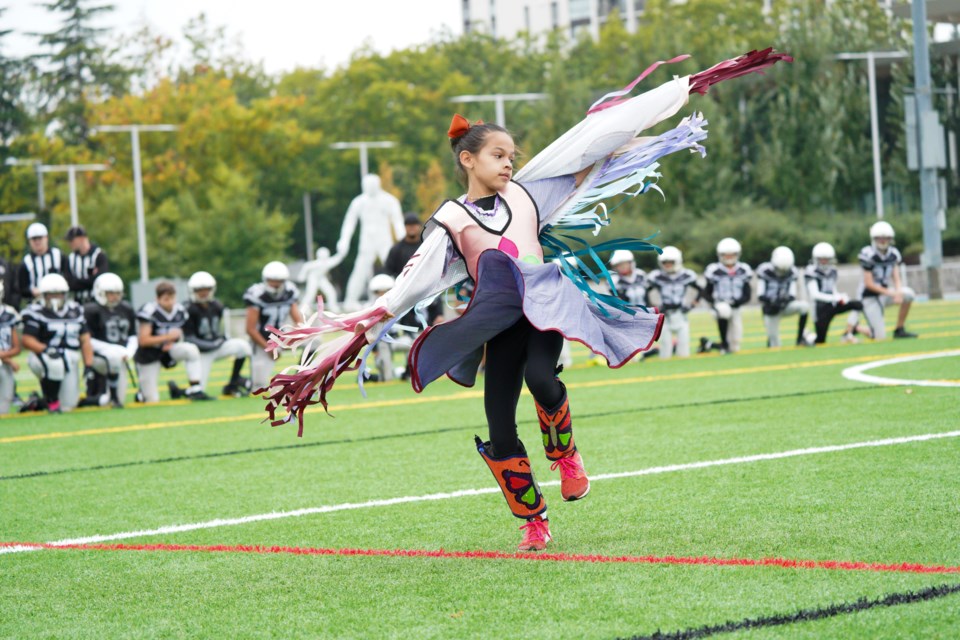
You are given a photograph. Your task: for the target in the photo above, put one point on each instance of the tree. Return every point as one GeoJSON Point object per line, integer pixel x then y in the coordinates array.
{"type": "Point", "coordinates": [79, 68]}
{"type": "Point", "coordinates": [13, 77]}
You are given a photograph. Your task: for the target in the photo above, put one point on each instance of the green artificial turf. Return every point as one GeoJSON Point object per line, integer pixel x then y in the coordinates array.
{"type": "Point", "coordinates": [102, 472]}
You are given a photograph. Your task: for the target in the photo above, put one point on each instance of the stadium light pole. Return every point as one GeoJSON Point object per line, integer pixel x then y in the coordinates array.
{"type": "Point", "coordinates": [871, 57]}
{"type": "Point", "coordinates": [17, 217]}
{"type": "Point", "coordinates": [71, 170]}
{"type": "Point", "coordinates": [35, 163]}
{"type": "Point", "coordinates": [364, 146]}
{"type": "Point", "coordinates": [135, 130]}
{"type": "Point", "coordinates": [499, 99]}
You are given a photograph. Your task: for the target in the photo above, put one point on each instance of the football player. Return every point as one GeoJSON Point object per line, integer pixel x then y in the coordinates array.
{"type": "Point", "coordinates": [777, 292]}
{"type": "Point", "coordinates": [881, 284]}
{"type": "Point", "coordinates": [112, 322]}
{"type": "Point", "coordinates": [629, 282]}
{"type": "Point", "coordinates": [56, 334]}
{"type": "Point", "coordinates": [269, 303]}
{"type": "Point", "coordinates": [727, 288]}
{"type": "Point", "coordinates": [9, 349]}
{"type": "Point", "coordinates": [204, 328]}
{"type": "Point", "coordinates": [160, 342]}
{"type": "Point", "coordinates": [674, 291]}
{"type": "Point", "coordinates": [821, 279]}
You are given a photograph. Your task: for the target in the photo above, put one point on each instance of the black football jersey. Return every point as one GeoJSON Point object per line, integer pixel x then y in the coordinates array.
{"type": "Point", "coordinates": [9, 321]}
{"type": "Point", "coordinates": [161, 322]}
{"type": "Point", "coordinates": [824, 277]}
{"type": "Point", "coordinates": [881, 266]}
{"type": "Point", "coordinates": [274, 309]}
{"type": "Point", "coordinates": [729, 284]}
{"type": "Point", "coordinates": [57, 330]}
{"type": "Point", "coordinates": [777, 286]}
{"type": "Point", "coordinates": [110, 325]}
{"type": "Point", "coordinates": [632, 288]}
{"type": "Point", "coordinates": [204, 325]}
{"type": "Point", "coordinates": [672, 286]}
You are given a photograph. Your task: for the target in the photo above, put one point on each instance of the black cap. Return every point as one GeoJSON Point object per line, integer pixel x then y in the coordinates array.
{"type": "Point", "coordinates": [411, 218]}
{"type": "Point", "coordinates": [76, 232]}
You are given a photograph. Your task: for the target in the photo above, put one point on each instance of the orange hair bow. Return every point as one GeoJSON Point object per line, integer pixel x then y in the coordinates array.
{"type": "Point", "coordinates": [459, 126]}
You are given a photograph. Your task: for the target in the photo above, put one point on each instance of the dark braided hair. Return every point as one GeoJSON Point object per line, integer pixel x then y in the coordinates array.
{"type": "Point", "coordinates": [472, 141]}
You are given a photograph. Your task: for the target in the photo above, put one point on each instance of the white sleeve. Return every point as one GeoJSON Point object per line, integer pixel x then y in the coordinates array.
{"type": "Point", "coordinates": [815, 294]}
{"type": "Point", "coordinates": [422, 276]}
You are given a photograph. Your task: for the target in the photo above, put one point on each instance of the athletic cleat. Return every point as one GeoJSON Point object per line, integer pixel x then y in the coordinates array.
{"type": "Point", "coordinates": [536, 535]}
{"type": "Point", "coordinates": [900, 332]}
{"type": "Point", "coordinates": [196, 394]}
{"type": "Point", "coordinates": [54, 407]}
{"type": "Point", "coordinates": [574, 483]}
{"type": "Point", "coordinates": [849, 338]}
{"type": "Point", "coordinates": [175, 391]}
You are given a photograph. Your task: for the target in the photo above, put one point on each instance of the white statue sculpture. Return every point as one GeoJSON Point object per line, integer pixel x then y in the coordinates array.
{"type": "Point", "coordinates": [314, 274]}
{"type": "Point", "coordinates": [381, 223]}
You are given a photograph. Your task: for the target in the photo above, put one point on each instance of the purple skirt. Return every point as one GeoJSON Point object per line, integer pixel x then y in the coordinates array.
{"type": "Point", "coordinates": [508, 289]}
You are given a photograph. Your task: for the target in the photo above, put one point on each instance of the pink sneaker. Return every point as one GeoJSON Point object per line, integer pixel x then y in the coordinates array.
{"type": "Point", "coordinates": [574, 483]}
{"type": "Point", "coordinates": [536, 535]}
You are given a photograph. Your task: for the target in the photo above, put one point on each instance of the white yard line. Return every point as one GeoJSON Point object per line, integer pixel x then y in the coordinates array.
{"type": "Point", "coordinates": [857, 373]}
{"type": "Point", "coordinates": [278, 515]}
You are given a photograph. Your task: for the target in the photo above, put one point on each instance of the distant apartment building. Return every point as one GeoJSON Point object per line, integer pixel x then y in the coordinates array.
{"type": "Point", "coordinates": [507, 18]}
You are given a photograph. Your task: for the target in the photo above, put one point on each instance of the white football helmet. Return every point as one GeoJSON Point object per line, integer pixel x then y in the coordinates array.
{"type": "Point", "coordinates": [53, 289]}
{"type": "Point", "coordinates": [199, 281]}
{"type": "Point", "coordinates": [823, 253]}
{"type": "Point", "coordinates": [277, 271]}
{"type": "Point", "coordinates": [104, 284]}
{"type": "Point", "coordinates": [782, 259]}
{"type": "Point", "coordinates": [881, 235]}
{"type": "Point", "coordinates": [620, 256]}
{"type": "Point", "coordinates": [728, 247]}
{"type": "Point", "coordinates": [380, 284]}
{"type": "Point", "coordinates": [670, 254]}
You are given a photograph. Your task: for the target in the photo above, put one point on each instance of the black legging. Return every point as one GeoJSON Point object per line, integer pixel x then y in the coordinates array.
{"type": "Point", "coordinates": [520, 353]}
{"type": "Point", "coordinates": [826, 312]}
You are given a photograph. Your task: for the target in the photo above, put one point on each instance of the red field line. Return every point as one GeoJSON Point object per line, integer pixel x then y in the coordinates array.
{"type": "Point", "coordinates": [784, 563]}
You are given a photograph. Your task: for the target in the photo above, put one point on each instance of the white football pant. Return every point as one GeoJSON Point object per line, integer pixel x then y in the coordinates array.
{"type": "Point", "coordinates": [184, 352]}
{"type": "Point", "coordinates": [63, 370]}
{"type": "Point", "coordinates": [108, 359]}
{"type": "Point", "coordinates": [231, 348]}
{"type": "Point", "coordinates": [772, 323]}
{"type": "Point", "coordinates": [7, 388]}
{"type": "Point", "coordinates": [675, 324]}
{"type": "Point", "coordinates": [873, 307]}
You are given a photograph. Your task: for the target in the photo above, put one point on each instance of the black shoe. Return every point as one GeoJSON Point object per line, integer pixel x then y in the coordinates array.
{"type": "Point", "coordinates": [33, 403]}
{"type": "Point", "coordinates": [903, 333]}
{"type": "Point", "coordinates": [175, 391]}
{"type": "Point", "coordinates": [705, 345]}
{"type": "Point", "coordinates": [802, 342]}
{"type": "Point", "coordinates": [89, 401]}
{"type": "Point", "coordinates": [196, 395]}
{"type": "Point", "coordinates": [139, 397]}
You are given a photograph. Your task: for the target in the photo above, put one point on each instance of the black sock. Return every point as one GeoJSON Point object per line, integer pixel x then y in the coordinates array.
{"type": "Point", "coordinates": [723, 324]}
{"type": "Point", "coordinates": [803, 325]}
{"type": "Point", "coordinates": [51, 389]}
{"type": "Point", "coordinates": [237, 366]}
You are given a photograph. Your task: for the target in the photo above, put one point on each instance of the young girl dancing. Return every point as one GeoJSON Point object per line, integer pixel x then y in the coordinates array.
{"type": "Point", "coordinates": [523, 306]}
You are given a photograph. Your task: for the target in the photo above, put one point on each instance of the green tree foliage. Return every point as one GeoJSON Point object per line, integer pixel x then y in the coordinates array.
{"type": "Point", "coordinates": [78, 67]}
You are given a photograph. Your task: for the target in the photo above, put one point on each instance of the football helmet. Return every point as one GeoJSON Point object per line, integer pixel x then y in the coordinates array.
{"type": "Point", "coordinates": [199, 281]}
{"type": "Point", "coordinates": [620, 256]}
{"type": "Point", "coordinates": [104, 284]}
{"type": "Point", "coordinates": [276, 271]}
{"type": "Point", "coordinates": [881, 235]}
{"type": "Point", "coordinates": [728, 247]}
{"type": "Point", "coordinates": [823, 253]}
{"type": "Point", "coordinates": [380, 284]}
{"type": "Point", "coordinates": [53, 290]}
{"type": "Point", "coordinates": [670, 254]}
{"type": "Point", "coordinates": [782, 259]}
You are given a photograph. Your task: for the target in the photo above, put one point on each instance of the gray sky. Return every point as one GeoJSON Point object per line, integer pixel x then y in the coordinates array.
{"type": "Point", "coordinates": [282, 33]}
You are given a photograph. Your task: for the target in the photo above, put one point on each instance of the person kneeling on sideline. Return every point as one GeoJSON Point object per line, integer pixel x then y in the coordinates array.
{"type": "Point", "coordinates": [204, 328]}
{"type": "Point", "coordinates": [727, 289]}
{"type": "Point", "coordinates": [881, 284]}
{"type": "Point", "coordinates": [111, 320]}
{"type": "Point", "coordinates": [9, 350]}
{"type": "Point", "coordinates": [160, 339]}
{"type": "Point", "coordinates": [777, 292]}
{"type": "Point", "coordinates": [674, 291]}
{"type": "Point", "coordinates": [56, 333]}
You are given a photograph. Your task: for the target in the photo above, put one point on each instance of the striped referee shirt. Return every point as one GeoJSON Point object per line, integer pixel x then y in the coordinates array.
{"type": "Point", "coordinates": [82, 270]}
{"type": "Point", "coordinates": [35, 266]}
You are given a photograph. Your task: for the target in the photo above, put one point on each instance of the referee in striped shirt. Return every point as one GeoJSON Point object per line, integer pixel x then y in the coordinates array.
{"type": "Point", "coordinates": [41, 260]}
{"type": "Point", "coordinates": [85, 262]}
